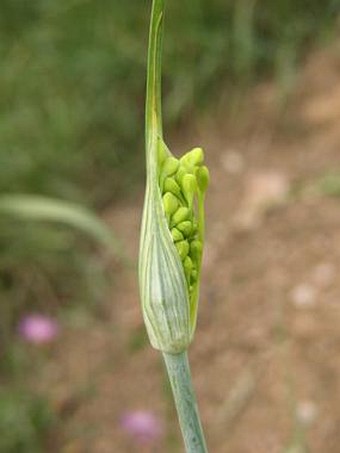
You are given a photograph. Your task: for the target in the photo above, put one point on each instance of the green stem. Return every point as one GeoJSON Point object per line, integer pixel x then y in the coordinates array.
{"type": "Point", "coordinates": [178, 369]}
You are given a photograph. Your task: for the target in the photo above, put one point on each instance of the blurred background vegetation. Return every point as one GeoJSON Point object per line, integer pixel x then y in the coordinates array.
{"type": "Point", "coordinates": [72, 79]}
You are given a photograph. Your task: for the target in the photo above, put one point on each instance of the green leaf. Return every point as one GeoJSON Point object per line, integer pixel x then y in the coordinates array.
{"type": "Point", "coordinates": [40, 208]}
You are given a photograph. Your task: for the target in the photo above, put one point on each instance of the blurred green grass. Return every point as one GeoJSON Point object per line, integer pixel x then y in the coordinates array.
{"type": "Point", "coordinates": [23, 419]}
{"type": "Point", "coordinates": [73, 72]}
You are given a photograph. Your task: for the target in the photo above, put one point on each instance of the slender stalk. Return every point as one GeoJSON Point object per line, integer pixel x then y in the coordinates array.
{"type": "Point", "coordinates": [178, 369]}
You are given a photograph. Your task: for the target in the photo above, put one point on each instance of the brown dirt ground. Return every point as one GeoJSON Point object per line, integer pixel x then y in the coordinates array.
{"type": "Point", "coordinates": [264, 364]}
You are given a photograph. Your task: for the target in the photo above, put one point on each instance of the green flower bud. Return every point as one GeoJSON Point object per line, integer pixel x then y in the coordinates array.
{"type": "Point", "coordinates": [185, 227]}
{"type": "Point", "coordinates": [181, 172]}
{"type": "Point", "coordinates": [183, 249]}
{"type": "Point", "coordinates": [170, 166]}
{"type": "Point", "coordinates": [170, 185]}
{"type": "Point", "coordinates": [176, 235]}
{"type": "Point", "coordinates": [194, 275]}
{"type": "Point", "coordinates": [203, 178]}
{"type": "Point", "coordinates": [194, 228]}
{"type": "Point", "coordinates": [196, 249]}
{"type": "Point", "coordinates": [180, 215]}
{"type": "Point", "coordinates": [188, 265]}
{"type": "Point", "coordinates": [189, 186]}
{"type": "Point", "coordinates": [170, 203]}
{"type": "Point", "coordinates": [193, 157]}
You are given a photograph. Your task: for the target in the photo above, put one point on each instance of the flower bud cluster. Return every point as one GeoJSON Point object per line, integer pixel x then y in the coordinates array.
{"type": "Point", "coordinates": [183, 182]}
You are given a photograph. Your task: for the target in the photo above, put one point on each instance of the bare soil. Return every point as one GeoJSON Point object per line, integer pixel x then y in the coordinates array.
{"type": "Point", "coordinates": [266, 355]}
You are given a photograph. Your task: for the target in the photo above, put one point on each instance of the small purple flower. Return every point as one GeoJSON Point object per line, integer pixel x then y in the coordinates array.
{"type": "Point", "coordinates": [38, 329]}
{"type": "Point", "coordinates": [143, 426]}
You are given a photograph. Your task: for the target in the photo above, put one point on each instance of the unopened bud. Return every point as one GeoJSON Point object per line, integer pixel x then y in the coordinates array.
{"type": "Point", "coordinates": [170, 203]}
{"type": "Point", "coordinates": [183, 249]}
{"type": "Point", "coordinates": [196, 248]}
{"type": "Point", "coordinates": [203, 178]}
{"type": "Point", "coordinates": [189, 186]}
{"type": "Point", "coordinates": [170, 166]}
{"type": "Point", "coordinates": [194, 275]}
{"type": "Point", "coordinates": [188, 265]}
{"type": "Point", "coordinates": [185, 227]}
{"type": "Point", "coordinates": [180, 215]}
{"type": "Point", "coordinates": [176, 235]}
{"type": "Point", "coordinates": [170, 185]}
{"type": "Point", "coordinates": [181, 172]}
{"type": "Point", "coordinates": [193, 157]}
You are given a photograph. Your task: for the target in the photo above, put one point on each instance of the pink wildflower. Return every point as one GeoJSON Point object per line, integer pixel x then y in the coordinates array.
{"type": "Point", "coordinates": [38, 329]}
{"type": "Point", "coordinates": [142, 426]}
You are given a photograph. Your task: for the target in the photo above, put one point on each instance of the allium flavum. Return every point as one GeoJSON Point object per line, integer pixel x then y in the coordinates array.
{"type": "Point", "coordinates": [171, 245]}
{"type": "Point", "coordinates": [172, 232]}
